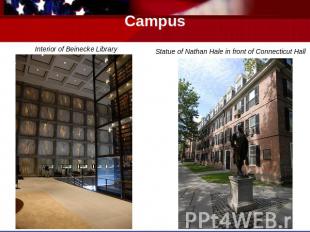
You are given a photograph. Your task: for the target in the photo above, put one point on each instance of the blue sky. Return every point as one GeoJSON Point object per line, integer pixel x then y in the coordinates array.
{"type": "Point", "coordinates": [210, 78]}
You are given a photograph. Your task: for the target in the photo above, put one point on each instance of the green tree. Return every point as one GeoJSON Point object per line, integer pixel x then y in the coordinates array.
{"type": "Point", "coordinates": [188, 103]}
{"type": "Point", "coordinates": [251, 66]}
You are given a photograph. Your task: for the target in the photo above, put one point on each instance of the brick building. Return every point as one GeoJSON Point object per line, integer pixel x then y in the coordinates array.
{"type": "Point", "coordinates": [260, 102]}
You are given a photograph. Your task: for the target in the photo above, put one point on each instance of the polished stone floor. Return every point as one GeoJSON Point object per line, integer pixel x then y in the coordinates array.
{"type": "Point", "coordinates": [52, 204]}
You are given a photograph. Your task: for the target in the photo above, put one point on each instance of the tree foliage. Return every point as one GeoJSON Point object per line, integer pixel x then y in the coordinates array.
{"type": "Point", "coordinates": [251, 66]}
{"type": "Point", "coordinates": [188, 103]}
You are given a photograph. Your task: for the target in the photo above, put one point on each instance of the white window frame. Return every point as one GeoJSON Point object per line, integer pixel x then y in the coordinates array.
{"type": "Point", "coordinates": [229, 96]}
{"type": "Point", "coordinates": [252, 155]}
{"type": "Point", "coordinates": [239, 105]}
{"type": "Point", "coordinates": [251, 120]}
{"type": "Point", "coordinates": [252, 95]}
{"type": "Point", "coordinates": [238, 84]}
{"type": "Point", "coordinates": [228, 115]}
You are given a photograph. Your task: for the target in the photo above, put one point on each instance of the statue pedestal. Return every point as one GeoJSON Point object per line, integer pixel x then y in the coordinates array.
{"type": "Point", "coordinates": [241, 194]}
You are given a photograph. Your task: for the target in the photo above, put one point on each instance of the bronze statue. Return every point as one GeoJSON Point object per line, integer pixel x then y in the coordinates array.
{"type": "Point", "coordinates": [239, 143]}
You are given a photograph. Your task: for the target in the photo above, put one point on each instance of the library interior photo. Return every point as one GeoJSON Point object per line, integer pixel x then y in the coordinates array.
{"type": "Point", "coordinates": [73, 141]}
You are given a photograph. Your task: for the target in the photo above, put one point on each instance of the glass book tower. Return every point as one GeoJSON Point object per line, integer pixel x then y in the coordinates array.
{"type": "Point", "coordinates": [113, 114]}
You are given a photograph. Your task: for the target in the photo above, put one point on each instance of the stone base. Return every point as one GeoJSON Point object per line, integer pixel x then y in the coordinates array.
{"type": "Point", "coordinates": [241, 194]}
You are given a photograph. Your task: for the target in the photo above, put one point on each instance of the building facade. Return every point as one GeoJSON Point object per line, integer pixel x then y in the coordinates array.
{"type": "Point", "coordinates": [261, 103]}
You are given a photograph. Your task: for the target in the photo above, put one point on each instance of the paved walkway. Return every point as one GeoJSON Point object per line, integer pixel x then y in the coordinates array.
{"type": "Point", "coordinates": [52, 204]}
{"type": "Point", "coordinates": [196, 195]}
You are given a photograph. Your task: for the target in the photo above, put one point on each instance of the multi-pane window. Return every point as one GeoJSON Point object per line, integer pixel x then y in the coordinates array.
{"type": "Point", "coordinates": [252, 98]}
{"type": "Point", "coordinates": [252, 125]}
{"type": "Point", "coordinates": [228, 96]}
{"type": "Point", "coordinates": [221, 137]}
{"type": "Point", "coordinates": [254, 155]}
{"type": "Point", "coordinates": [221, 104]}
{"type": "Point", "coordinates": [239, 107]}
{"type": "Point", "coordinates": [221, 120]}
{"type": "Point", "coordinates": [228, 115]}
{"type": "Point", "coordinates": [252, 95]}
{"type": "Point", "coordinates": [239, 84]}
{"type": "Point", "coordinates": [228, 133]}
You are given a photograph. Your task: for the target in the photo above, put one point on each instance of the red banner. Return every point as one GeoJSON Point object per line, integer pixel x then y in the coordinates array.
{"type": "Point", "coordinates": [108, 29]}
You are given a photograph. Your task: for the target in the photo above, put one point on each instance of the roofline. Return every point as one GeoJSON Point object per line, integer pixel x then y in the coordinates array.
{"type": "Point", "coordinates": [270, 64]}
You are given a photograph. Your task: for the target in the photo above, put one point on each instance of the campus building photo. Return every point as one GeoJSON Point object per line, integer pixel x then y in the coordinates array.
{"type": "Point", "coordinates": [218, 100]}
{"type": "Point", "coordinates": [73, 141]}
{"type": "Point", "coordinates": [262, 105]}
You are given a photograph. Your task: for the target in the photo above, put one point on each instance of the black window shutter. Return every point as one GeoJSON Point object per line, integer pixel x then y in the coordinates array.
{"type": "Point", "coordinates": [284, 83]}
{"type": "Point", "coordinates": [242, 105]}
{"type": "Point", "coordinates": [257, 156]}
{"type": "Point", "coordinates": [287, 119]}
{"type": "Point", "coordinates": [247, 127]}
{"type": "Point", "coordinates": [257, 123]}
{"type": "Point", "coordinates": [257, 95]}
{"type": "Point", "coordinates": [247, 102]}
{"type": "Point", "coordinates": [227, 136]}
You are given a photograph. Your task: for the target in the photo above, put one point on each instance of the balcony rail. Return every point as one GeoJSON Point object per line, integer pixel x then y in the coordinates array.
{"type": "Point", "coordinates": [104, 184]}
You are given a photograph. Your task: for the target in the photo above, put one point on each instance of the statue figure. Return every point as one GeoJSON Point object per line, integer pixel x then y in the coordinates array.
{"type": "Point", "coordinates": [239, 143]}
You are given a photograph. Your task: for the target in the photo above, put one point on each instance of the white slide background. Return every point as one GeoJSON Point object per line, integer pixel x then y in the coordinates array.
{"type": "Point", "coordinates": [155, 137]}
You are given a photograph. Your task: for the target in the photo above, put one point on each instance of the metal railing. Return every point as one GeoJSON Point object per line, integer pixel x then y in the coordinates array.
{"type": "Point", "coordinates": [87, 182]}
{"type": "Point", "coordinates": [104, 184]}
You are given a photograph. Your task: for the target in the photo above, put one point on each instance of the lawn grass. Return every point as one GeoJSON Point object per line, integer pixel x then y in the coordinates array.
{"type": "Point", "coordinates": [197, 168]}
{"type": "Point", "coordinates": [222, 178]}
{"type": "Point", "coordinates": [219, 178]}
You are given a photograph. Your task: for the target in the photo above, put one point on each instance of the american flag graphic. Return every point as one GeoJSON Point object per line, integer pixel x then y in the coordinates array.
{"type": "Point", "coordinates": [66, 7]}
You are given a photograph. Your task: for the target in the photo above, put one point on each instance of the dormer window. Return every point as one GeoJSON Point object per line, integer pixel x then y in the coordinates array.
{"type": "Point", "coordinates": [239, 84]}
{"type": "Point", "coordinates": [228, 96]}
